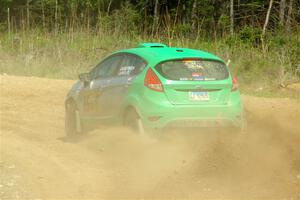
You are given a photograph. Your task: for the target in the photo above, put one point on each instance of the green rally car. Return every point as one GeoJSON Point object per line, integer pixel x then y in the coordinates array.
{"type": "Point", "coordinates": [153, 87]}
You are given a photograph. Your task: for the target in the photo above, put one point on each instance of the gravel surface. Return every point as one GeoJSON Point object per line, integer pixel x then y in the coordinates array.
{"type": "Point", "coordinates": [37, 161]}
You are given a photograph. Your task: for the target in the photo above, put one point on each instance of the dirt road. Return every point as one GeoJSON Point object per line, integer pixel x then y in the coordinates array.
{"type": "Point", "coordinates": [38, 162]}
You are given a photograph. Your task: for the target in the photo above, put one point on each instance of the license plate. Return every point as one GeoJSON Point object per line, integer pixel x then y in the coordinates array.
{"type": "Point", "coordinates": [199, 96]}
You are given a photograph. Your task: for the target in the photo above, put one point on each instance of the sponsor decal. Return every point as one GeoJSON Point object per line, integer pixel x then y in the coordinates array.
{"type": "Point", "coordinates": [126, 70]}
{"type": "Point", "coordinates": [184, 79]}
{"type": "Point", "coordinates": [193, 64]}
{"type": "Point", "coordinates": [209, 79]}
{"type": "Point", "coordinates": [197, 76]}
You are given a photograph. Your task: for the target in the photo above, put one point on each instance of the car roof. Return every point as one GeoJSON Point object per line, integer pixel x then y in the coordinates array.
{"type": "Point", "coordinates": [159, 52]}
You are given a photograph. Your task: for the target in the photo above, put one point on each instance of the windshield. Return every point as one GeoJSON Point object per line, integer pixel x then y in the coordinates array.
{"type": "Point", "coordinates": [193, 70]}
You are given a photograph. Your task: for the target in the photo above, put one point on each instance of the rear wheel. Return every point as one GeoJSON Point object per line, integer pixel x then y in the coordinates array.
{"type": "Point", "coordinates": [73, 124]}
{"type": "Point", "coordinates": [133, 121]}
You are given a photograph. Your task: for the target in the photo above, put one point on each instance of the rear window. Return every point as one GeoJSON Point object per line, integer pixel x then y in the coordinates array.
{"type": "Point", "coordinates": [193, 70]}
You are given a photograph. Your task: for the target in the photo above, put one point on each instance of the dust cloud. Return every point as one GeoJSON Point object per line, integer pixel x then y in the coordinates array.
{"type": "Point", "coordinates": [38, 161]}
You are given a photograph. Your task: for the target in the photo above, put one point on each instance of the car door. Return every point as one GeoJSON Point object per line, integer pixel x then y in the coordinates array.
{"type": "Point", "coordinates": [113, 95]}
{"type": "Point", "coordinates": [101, 76]}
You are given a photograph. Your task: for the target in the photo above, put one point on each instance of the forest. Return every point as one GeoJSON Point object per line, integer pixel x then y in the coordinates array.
{"type": "Point", "coordinates": [260, 37]}
{"type": "Point", "coordinates": [210, 17]}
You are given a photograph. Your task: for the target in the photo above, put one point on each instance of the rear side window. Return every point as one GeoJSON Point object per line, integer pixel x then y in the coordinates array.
{"type": "Point", "coordinates": [193, 70]}
{"type": "Point", "coordinates": [131, 65]}
{"type": "Point", "coordinates": [106, 68]}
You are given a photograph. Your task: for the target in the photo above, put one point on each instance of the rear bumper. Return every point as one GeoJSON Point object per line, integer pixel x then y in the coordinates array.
{"type": "Point", "coordinates": [197, 117]}
{"type": "Point", "coordinates": [205, 116]}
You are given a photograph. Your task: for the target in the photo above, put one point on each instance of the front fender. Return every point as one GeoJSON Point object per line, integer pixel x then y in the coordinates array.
{"type": "Point", "coordinates": [74, 92]}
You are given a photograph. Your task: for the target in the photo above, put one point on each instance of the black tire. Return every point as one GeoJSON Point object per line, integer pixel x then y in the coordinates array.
{"type": "Point", "coordinates": [132, 121]}
{"type": "Point", "coordinates": [71, 121]}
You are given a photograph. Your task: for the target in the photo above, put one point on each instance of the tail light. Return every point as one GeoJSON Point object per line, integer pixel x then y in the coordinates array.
{"type": "Point", "coordinates": [234, 84]}
{"type": "Point", "coordinates": [152, 81]}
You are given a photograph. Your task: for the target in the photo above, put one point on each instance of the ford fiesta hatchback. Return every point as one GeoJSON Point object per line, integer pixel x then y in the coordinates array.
{"type": "Point", "coordinates": [154, 86]}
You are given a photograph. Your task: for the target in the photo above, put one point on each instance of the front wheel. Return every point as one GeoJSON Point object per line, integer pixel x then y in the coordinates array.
{"type": "Point", "coordinates": [73, 123]}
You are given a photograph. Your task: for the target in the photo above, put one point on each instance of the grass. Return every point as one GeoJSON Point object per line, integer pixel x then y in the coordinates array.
{"type": "Point", "coordinates": [65, 55]}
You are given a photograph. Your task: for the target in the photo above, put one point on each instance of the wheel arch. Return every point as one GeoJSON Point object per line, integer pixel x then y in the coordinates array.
{"type": "Point", "coordinates": [126, 110]}
{"type": "Point", "coordinates": [70, 101]}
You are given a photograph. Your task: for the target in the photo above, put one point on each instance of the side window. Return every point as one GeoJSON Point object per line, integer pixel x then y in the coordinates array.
{"type": "Point", "coordinates": [131, 65]}
{"type": "Point", "coordinates": [106, 68]}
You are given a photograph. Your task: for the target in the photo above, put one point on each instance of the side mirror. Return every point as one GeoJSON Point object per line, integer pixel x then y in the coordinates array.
{"type": "Point", "coordinates": [85, 78]}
